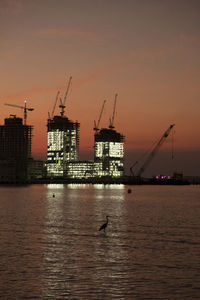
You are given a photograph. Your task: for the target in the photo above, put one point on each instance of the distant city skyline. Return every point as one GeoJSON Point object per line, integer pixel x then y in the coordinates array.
{"type": "Point", "coordinates": [146, 51]}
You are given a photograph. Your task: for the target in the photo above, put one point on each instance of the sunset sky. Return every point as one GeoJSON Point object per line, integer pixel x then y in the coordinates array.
{"type": "Point", "coordinates": [147, 51]}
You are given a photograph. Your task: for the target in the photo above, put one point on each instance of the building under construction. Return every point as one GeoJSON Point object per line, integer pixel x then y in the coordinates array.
{"type": "Point", "coordinates": [108, 148]}
{"type": "Point", "coordinates": [62, 145]}
{"type": "Point", "coordinates": [63, 148]}
{"type": "Point", "coordinates": [108, 158]}
{"type": "Point", "coordinates": [109, 153]}
{"type": "Point", "coordinates": [62, 140]}
{"type": "Point", "coordinates": [15, 149]}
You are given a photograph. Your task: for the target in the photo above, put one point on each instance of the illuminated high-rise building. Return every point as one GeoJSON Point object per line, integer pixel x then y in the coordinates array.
{"type": "Point", "coordinates": [15, 149]}
{"type": "Point", "coordinates": [62, 145]}
{"type": "Point", "coordinates": [109, 153]}
{"type": "Point", "coordinates": [80, 170]}
{"type": "Point", "coordinates": [63, 148]}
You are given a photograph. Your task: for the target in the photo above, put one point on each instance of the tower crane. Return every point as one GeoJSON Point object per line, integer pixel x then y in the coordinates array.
{"type": "Point", "coordinates": [53, 110]}
{"type": "Point", "coordinates": [111, 126]}
{"type": "Point", "coordinates": [153, 152]}
{"type": "Point", "coordinates": [25, 108]}
{"type": "Point", "coordinates": [96, 125]}
{"type": "Point", "coordinates": [62, 103]}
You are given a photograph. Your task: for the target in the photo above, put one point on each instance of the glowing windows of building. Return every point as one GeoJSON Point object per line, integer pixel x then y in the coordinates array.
{"type": "Point", "coordinates": [80, 169]}
{"type": "Point", "coordinates": [99, 149]}
{"type": "Point", "coordinates": [55, 140]}
{"type": "Point", "coordinates": [54, 170]}
{"type": "Point", "coordinates": [109, 149]}
{"type": "Point", "coordinates": [116, 150]}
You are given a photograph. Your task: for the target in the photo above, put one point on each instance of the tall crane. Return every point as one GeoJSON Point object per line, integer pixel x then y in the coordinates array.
{"type": "Point", "coordinates": [111, 126]}
{"type": "Point", "coordinates": [53, 110]}
{"type": "Point", "coordinates": [62, 103]}
{"type": "Point", "coordinates": [96, 125]}
{"type": "Point", "coordinates": [153, 152]}
{"type": "Point", "coordinates": [25, 108]}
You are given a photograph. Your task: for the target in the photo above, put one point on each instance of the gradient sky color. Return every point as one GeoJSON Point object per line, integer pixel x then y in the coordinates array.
{"type": "Point", "coordinates": [147, 51]}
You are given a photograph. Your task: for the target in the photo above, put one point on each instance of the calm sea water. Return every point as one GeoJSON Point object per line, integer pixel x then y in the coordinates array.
{"type": "Point", "coordinates": [50, 247]}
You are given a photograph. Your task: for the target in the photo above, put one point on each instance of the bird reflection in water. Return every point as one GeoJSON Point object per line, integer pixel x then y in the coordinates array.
{"type": "Point", "coordinates": [103, 227]}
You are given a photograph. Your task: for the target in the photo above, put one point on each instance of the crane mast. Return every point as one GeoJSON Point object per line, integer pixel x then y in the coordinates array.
{"type": "Point", "coordinates": [155, 149]}
{"type": "Point", "coordinates": [53, 110]}
{"type": "Point", "coordinates": [62, 103]}
{"type": "Point", "coordinates": [96, 125]}
{"type": "Point", "coordinates": [111, 126]}
{"type": "Point", "coordinates": [25, 108]}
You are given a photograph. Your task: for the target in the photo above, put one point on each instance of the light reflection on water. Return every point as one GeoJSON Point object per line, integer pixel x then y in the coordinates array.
{"type": "Point", "coordinates": [50, 246]}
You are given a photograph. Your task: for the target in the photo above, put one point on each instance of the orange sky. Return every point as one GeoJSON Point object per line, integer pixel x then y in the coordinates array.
{"type": "Point", "coordinates": [146, 51]}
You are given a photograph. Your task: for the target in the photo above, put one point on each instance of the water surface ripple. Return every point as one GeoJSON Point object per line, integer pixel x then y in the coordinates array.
{"type": "Point", "coordinates": [50, 247]}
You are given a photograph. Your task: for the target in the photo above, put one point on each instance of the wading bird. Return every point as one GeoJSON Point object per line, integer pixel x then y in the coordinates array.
{"type": "Point", "coordinates": [104, 225]}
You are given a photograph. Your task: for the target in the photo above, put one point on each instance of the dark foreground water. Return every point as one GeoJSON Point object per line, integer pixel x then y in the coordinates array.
{"type": "Point", "coordinates": [50, 247]}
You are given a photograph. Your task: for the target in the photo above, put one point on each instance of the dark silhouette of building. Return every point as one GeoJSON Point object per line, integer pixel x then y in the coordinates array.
{"type": "Point", "coordinates": [15, 149]}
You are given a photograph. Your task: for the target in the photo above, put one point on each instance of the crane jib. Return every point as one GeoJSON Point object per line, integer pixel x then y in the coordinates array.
{"type": "Point", "coordinates": [153, 152]}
